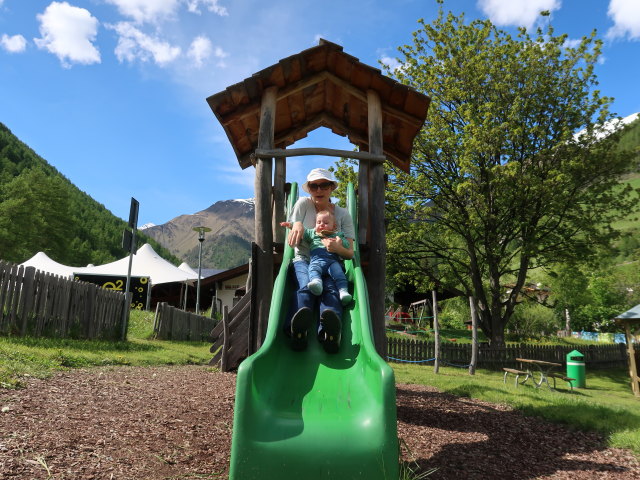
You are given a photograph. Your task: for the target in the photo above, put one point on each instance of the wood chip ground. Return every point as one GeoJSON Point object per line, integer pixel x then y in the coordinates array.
{"type": "Point", "coordinates": [175, 423]}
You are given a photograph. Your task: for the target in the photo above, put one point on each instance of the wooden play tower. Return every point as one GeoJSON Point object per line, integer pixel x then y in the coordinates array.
{"type": "Point", "coordinates": [319, 87]}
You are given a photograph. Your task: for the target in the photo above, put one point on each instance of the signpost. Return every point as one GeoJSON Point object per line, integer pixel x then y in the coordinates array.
{"type": "Point", "coordinates": [129, 240]}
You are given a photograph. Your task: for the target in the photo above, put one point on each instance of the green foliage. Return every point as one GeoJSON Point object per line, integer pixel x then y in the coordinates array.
{"type": "Point", "coordinates": [499, 183]}
{"type": "Point", "coordinates": [454, 312]}
{"type": "Point", "coordinates": [531, 319]}
{"type": "Point", "coordinates": [40, 210]}
{"type": "Point", "coordinates": [593, 295]}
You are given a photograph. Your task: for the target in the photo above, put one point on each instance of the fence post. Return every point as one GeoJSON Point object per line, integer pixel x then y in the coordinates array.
{"type": "Point", "coordinates": [225, 339]}
{"type": "Point", "coordinates": [474, 337]}
{"type": "Point", "coordinates": [436, 332]}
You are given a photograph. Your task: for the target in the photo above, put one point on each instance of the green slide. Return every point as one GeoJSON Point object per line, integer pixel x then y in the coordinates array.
{"type": "Point", "coordinates": [311, 415]}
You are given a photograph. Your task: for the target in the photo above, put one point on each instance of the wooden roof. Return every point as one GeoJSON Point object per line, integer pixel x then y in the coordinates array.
{"type": "Point", "coordinates": [321, 87]}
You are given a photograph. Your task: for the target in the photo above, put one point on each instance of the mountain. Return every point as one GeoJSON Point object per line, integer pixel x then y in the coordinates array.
{"type": "Point", "coordinates": [42, 211]}
{"type": "Point", "coordinates": [227, 245]}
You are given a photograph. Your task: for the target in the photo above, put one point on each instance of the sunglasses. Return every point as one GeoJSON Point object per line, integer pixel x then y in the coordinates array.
{"type": "Point", "coordinates": [323, 186]}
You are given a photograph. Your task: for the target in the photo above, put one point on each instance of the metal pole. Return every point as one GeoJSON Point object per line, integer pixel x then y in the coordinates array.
{"type": "Point", "coordinates": [200, 239]}
{"type": "Point", "coordinates": [201, 231]}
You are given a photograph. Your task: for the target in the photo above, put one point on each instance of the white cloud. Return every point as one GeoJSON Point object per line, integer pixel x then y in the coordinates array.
{"type": "Point", "coordinates": [523, 13]}
{"type": "Point", "coordinates": [211, 5]}
{"type": "Point", "coordinates": [68, 33]}
{"type": "Point", "coordinates": [626, 19]}
{"type": "Point", "coordinates": [200, 50]}
{"type": "Point", "coordinates": [155, 11]}
{"type": "Point", "coordinates": [390, 62]}
{"type": "Point", "coordinates": [572, 43]}
{"type": "Point", "coordinates": [142, 11]}
{"type": "Point", "coordinates": [13, 44]}
{"type": "Point", "coordinates": [134, 44]}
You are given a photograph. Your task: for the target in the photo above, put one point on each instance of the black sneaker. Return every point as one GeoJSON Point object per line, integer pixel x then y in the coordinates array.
{"type": "Point", "coordinates": [331, 328]}
{"type": "Point", "coordinates": [300, 324]}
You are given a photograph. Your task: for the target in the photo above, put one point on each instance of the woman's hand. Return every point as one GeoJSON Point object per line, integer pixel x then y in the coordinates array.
{"type": "Point", "coordinates": [334, 245]}
{"type": "Point", "coordinates": [295, 234]}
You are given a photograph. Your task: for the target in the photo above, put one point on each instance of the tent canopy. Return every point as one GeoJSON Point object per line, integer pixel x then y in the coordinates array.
{"type": "Point", "coordinates": [40, 261]}
{"type": "Point", "coordinates": [146, 263]}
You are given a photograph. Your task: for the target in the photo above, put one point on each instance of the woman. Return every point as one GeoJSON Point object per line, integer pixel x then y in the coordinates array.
{"type": "Point", "coordinates": [320, 185]}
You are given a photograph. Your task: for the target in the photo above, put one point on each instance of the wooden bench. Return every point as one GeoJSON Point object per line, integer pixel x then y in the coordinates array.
{"type": "Point", "coordinates": [561, 377]}
{"type": "Point", "coordinates": [515, 372]}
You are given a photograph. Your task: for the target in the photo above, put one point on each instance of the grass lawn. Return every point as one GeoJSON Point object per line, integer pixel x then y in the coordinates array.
{"type": "Point", "coordinates": [39, 357]}
{"type": "Point", "coordinates": [607, 405]}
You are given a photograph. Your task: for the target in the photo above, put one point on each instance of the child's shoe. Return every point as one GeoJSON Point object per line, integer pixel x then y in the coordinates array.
{"type": "Point", "coordinates": [345, 296]}
{"type": "Point", "coordinates": [331, 330]}
{"type": "Point", "coordinates": [300, 324]}
{"type": "Point", "coordinates": [315, 286]}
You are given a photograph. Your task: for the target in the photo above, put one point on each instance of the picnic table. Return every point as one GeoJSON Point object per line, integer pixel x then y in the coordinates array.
{"type": "Point", "coordinates": [542, 369]}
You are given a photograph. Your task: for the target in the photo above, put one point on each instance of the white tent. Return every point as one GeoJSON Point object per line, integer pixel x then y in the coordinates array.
{"type": "Point", "coordinates": [40, 261]}
{"type": "Point", "coordinates": [146, 263]}
{"type": "Point", "coordinates": [185, 266]}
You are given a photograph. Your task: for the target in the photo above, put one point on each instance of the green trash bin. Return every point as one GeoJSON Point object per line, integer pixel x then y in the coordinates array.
{"type": "Point", "coordinates": [576, 368]}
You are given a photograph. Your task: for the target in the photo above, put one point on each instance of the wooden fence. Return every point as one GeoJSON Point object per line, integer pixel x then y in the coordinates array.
{"type": "Point", "coordinates": [231, 335]}
{"type": "Point", "coordinates": [41, 304]}
{"type": "Point", "coordinates": [174, 324]}
{"type": "Point", "coordinates": [421, 352]}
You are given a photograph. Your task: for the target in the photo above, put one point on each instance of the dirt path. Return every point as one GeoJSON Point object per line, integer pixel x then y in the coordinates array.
{"type": "Point", "coordinates": [175, 423]}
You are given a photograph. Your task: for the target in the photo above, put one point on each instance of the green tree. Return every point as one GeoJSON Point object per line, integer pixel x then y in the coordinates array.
{"type": "Point", "coordinates": [33, 212]}
{"type": "Point", "coordinates": [500, 182]}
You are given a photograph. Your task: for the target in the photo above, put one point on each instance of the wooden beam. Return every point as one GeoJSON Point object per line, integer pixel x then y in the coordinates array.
{"type": "Point", "coordinates": [279, 179]}
{"type": "Point", "coordinates": [377, 234]}
{"type": "Point", "coordinates": [263, 215]}
{"type": "Point", "coordinates": [359, 94]}
{"type": "Point", "coordinates": [254, 108]}
{"type": "Point", "coordinates": [329, 152]}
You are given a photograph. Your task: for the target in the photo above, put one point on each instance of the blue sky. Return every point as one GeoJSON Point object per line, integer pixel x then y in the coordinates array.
{"type": "Point", "coordinates": [112, 92]}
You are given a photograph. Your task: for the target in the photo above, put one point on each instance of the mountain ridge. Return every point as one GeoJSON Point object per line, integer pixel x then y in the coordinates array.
{"type": "Point", "coordinates": [227, 245]}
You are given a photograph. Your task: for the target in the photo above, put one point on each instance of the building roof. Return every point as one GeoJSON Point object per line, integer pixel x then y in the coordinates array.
{"type": "Point", "coordinates": [321, 87]}
{"type": "Point", "coordinates": [630, 315]}
{"type": "Point", "coordinates": [227, 274]}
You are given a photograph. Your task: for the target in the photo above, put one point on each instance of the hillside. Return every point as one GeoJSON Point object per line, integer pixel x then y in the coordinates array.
{"type": "Point", "coordinates": [226, 246]}
{"type": "Point", "coordinates": [41, 210]}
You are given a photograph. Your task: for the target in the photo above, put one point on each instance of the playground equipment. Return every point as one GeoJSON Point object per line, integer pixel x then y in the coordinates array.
{"type": "Point", "coordinates": [309, 414]}
{"type": "Point", "coordinates": [314, 415]}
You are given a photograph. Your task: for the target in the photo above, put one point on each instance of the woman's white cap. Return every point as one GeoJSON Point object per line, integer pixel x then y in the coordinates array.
{"type": "Point", "coordinates": [319, 174]}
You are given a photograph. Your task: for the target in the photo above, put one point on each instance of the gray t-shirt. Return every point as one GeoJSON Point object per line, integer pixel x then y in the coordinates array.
{"type": "Point", "coordinates": [305, 211]}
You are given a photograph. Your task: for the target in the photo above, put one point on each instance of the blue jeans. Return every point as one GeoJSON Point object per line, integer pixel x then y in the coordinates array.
{"type": "Point", "coordinates": [329, 300]}
{"type": "Point", "coordinates": [324, 262]}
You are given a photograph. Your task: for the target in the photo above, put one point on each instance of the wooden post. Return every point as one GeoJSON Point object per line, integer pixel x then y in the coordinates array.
{"type": "Point", "coordinates": [436, 332]}
{"type": "Point", "coordinates": [279, 178]}
{"type": "Point", "coordinates": [224, 358]}
{"type": "Point", "coordinates": [363, 202]}
{"type": "Point", "coordinates": [633, 368]}
{"type": "Point", "coordinates": [263, 229]}
{"type": "Point", "coordinates": [377, 236]}
{"type": "Point", "coordinates": [474, 337]}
